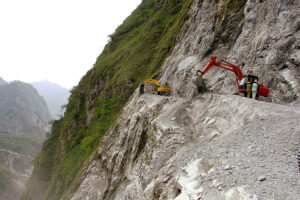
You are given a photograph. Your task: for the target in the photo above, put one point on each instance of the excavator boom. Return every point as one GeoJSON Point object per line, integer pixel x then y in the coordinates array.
{"type": "Point", "coordinates": [156, 82]}
{"type": "Point", "coordinates": [225, 65]}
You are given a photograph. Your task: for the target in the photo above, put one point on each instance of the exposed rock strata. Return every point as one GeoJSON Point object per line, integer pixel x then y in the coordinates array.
{"type": "Point", "coordinates": [267, 45]}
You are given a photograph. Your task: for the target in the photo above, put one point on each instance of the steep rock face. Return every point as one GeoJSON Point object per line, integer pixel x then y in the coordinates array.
{"type": "Point", "coordinates": [211, 146]}
{"type": "Point", "coordinates": [262, 37]}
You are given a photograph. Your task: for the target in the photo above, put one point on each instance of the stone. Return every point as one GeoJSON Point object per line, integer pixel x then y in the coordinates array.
{"type": "Point", "coordinates": [261, 178]}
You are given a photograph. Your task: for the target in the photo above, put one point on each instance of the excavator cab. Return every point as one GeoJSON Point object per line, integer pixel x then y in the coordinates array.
{"type": "Point", "coordinates": [247, 78]}
{"type": "Point", "coordinates": [262, 90]}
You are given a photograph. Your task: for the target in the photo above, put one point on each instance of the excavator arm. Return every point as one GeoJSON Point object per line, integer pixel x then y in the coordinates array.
{"type": "Point", "coordinates": [225, 65]}
{"type": "Point", "coordinates": [156, 82]}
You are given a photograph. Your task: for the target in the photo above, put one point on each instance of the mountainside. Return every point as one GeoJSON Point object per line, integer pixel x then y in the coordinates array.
{"type": "Point", "coordinates": [54, 95]}
{"type": "Point", "coordinates": [24, 120]}
{"type": "Point", "coordinates": [186, 146]}
{"type": "Point", "coordinates": [95, 103]}
{"type": "Point", "coordinates": [23, 111]}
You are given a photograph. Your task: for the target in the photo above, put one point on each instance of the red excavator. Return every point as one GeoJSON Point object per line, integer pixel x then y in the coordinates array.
{"type": "Point", "coordinates": [240, 78]}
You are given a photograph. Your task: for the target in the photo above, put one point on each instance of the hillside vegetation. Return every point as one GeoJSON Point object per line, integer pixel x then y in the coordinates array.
{"type": "Point", "coordinates": [137, 50]}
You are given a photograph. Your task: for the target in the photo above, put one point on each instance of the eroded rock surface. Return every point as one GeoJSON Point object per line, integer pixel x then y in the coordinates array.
{"type": "Point", "coordinates": [261, 37]}
{"type": "Point", "coordinates": [209, 147]}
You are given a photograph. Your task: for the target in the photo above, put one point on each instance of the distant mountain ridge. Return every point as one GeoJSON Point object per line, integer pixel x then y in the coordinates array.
{"type": "Point", "coordinates": [55, 96]}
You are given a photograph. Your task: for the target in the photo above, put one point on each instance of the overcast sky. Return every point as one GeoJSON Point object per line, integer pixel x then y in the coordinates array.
{"type": "Point", "coordinates": [57, 40]}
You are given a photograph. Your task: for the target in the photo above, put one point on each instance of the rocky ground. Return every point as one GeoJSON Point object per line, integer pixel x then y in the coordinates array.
{"type": "Point", "coordinates": [259, 157]}
{"type": "Point", "coordinates": [209, 147]}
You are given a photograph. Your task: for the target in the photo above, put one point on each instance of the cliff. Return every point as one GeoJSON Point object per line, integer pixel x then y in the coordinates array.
{"type": "Point", "coordinates": [188, 145]}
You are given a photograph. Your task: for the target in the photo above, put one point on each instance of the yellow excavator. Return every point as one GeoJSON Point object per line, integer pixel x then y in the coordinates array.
{"type": "Point", "coordinates": [157, 88]}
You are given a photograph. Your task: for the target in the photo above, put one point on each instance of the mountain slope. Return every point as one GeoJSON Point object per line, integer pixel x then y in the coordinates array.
{"type": "Point", "coordinates": [189, 145]}
{"type": "Point", "coordinates": [211, 146]}
{"type": "Point", "coordinates": [23, 111]}
{"type": "Point", "coordinates": [54, 95]}
{"type": "Point", "coordinates": [136, 51]}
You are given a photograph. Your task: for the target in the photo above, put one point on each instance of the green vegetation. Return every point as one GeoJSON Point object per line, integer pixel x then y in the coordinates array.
{"type": "Point", "coordinates": [136, 51]}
